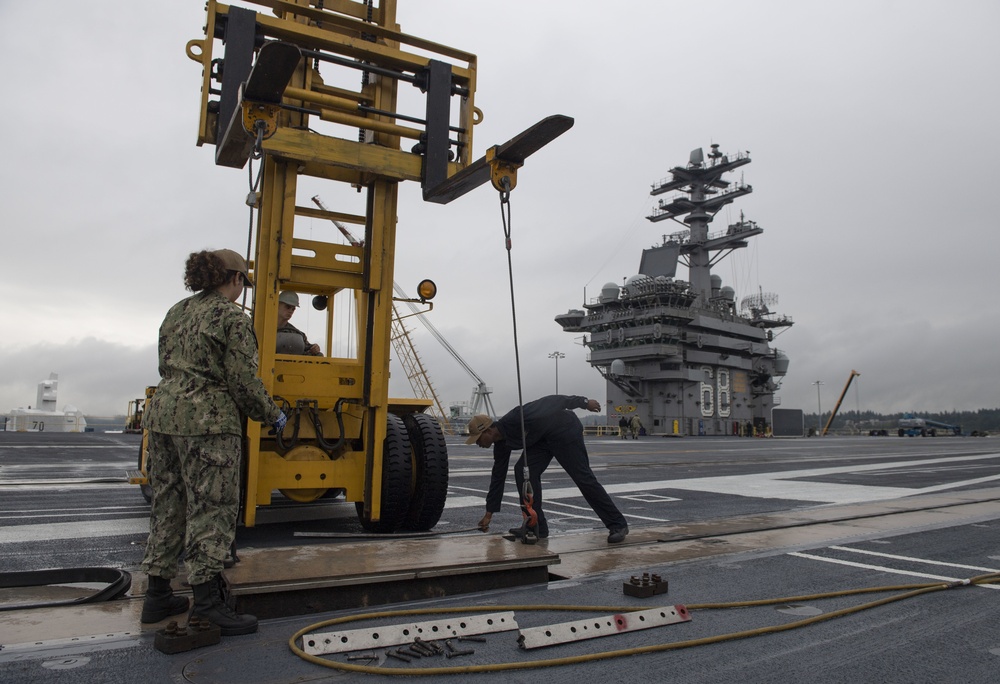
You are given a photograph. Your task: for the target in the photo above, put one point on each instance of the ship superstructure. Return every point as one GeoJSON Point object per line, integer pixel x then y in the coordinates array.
{"type": "Point", "coordinates": [681, 354]}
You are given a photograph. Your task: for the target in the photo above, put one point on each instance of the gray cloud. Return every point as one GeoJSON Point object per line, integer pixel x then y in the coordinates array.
{"type": "Point", "coordinates": [871, 126]}
{"type": "Point", "coordinates": [96, 376]}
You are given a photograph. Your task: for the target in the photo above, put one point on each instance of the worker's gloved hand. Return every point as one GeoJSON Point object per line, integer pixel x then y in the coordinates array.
{"type": "Point", "coordinates": [484, 524]}
{"type": "Point", "coordinates": [279, 424]}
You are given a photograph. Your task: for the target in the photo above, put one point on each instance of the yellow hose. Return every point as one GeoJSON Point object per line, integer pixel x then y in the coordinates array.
{"type": "Point", "coordinates": [910, 590]}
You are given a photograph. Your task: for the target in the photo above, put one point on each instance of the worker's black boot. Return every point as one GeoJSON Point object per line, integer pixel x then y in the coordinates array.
{"type": "Point", "coordinates": [211, 602]}
{"type": "Point", "coordinates": [160, 601]}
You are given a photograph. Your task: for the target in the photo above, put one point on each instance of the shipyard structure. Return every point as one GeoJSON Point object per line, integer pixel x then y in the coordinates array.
{"type": "Point", "coordinates": [45, 416]}
{"type": "Point", "coordinates": [683, 355]}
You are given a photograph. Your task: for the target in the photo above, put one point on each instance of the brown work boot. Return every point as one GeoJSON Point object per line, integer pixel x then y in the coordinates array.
{"type": "Point", "coordinates": [212, 603]}
{"type": "Point", "coordinates": [160, 601]}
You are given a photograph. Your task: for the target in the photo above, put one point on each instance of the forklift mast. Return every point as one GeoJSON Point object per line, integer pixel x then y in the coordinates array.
{"type": "Point", "coordinates": [268, 99]}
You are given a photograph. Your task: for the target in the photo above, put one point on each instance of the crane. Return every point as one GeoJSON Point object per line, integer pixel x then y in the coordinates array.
{"type": "Point", "coordinates": [912, 426]}
{"type": "Point", "coordinates": [408, 357]}
{"type": "Point", "coordinates": [480, 401]}
{"type": "Point", "coordinates": [837, 407]}
{"type": "Point", "coordinates": [406, 352]}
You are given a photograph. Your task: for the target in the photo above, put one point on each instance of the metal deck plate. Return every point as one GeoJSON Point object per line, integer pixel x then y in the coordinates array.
{"type": "Point", "coordinates": [580, 630]}
{"type": "Point", "coordinates": [323, 643]}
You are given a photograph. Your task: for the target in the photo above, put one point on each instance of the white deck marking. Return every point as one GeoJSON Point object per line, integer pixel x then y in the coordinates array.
{"type": "Point", "coordinates": [512, 499]}
{"type": "Point", "coordinates": [786, 484]}
{"type": "Point", "coordinates": [892, 571]}
{"type": "Point", "coordinates": [74, 530]}
{"type": "Point", "coordinates": [925, 561]}
{"type": "Point", "coordinates": [776, 485]}
{"type": "Point", "coordinates": [782, 484]}
{"type": "Point", "coordinates": [74, 447]}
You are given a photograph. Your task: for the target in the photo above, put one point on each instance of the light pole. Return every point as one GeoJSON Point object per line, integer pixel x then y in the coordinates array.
{"type": "Point", "coordinates": [557, 355]}
{"type": "Point", "coordinates": [819, 410]}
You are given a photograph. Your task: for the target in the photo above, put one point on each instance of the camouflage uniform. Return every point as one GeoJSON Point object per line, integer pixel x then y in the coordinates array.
{"type": "Point", "coordinates": [293, 345]}
{"type": "Point", "coordinates": [208, 366]}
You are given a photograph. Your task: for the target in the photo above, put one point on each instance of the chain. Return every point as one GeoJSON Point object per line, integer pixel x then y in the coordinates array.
{"type": "Point", "coordinates": [527, 496]}
{"type": "Point", "coordinates": [254, 183]}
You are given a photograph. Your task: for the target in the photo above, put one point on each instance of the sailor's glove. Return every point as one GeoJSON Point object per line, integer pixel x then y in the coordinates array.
{"type": "Point", "coordinates": [279, 424]}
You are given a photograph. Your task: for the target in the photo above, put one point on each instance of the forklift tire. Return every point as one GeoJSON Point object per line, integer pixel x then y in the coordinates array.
{"type": "Point", "coordinates": [429, 489]}
{"type": "Point", "coordinates": [396, 476]}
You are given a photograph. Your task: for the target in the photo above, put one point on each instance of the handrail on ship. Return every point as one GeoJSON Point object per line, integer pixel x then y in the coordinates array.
{"type": "Point", "coordinates": [732, 188]}
{"type": "Point", "coordinates": [670, 179]}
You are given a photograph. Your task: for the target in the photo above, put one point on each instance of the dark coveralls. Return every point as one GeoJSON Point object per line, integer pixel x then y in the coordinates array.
{"type": "Point", "coordinates": [552, 431]}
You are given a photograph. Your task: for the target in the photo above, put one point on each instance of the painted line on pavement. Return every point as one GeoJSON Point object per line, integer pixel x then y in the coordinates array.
{"type": "Point", "coordinates": [925, 561]}
{"type": "Point", "coordinates": [892, 571]}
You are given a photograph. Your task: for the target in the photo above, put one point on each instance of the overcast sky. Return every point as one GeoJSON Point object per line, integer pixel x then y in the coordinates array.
{"type": "Point", "coordinates": [872, 126]}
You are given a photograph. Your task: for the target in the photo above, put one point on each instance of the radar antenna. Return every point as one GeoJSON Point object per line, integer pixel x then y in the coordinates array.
{"type": "Point", "coordinates": [760, 303]}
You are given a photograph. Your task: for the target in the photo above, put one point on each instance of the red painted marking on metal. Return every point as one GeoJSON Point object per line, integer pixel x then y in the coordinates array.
{"type": "Point", "coordinates": [682, 611]}
{"type": "Point", "coordinates": [621, 622]}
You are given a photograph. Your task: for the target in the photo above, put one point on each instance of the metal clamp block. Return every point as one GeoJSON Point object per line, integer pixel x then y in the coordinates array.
{"type": "Point", "coordinates": [646, 586]}
{"type": "Point", "coordinates": [176, 638]}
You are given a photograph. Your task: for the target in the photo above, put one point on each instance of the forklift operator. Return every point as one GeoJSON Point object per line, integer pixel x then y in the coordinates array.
{"type": "Point", "coordinates": [291, 340]}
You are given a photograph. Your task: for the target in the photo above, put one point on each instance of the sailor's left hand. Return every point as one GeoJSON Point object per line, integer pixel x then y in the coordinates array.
{"type": "Point", "coordinates": [593, 405]}
{"type": "Point", "coordinates": [484, 524]}
{"type": "Point", "coordinates": [279, 424]}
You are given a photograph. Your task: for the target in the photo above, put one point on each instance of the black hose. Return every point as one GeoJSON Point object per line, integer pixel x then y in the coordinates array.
{"type": "Point", "coordinates": [118, 582]}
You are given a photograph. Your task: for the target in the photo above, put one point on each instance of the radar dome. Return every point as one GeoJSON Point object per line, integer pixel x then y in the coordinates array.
{"type": "Point", "coordinates": [609, 292]}
{"type": "Point", "coordinates": [618, 367]}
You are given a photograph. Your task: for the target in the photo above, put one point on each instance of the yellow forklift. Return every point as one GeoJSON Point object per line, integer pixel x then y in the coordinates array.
{"type": "Point", "coordinates": [276, 94]}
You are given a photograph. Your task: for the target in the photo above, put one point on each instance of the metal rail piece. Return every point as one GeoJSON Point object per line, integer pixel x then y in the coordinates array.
{"type": "Point", "coordinates": [393, 635]}
{"type": "Point", "coordinates": [580, 630]}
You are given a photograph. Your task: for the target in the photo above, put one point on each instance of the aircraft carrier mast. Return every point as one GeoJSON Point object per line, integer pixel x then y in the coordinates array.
{"type": "Point", "coordinates": [707, 193]}
{"type": "Point", "coordinates": [680, 354]}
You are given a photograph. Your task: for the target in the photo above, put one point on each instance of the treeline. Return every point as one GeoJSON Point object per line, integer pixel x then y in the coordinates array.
{"type": "Point", "coordinates": [105, 422]}
{"type": "Point", "coordinates": [983, 420]}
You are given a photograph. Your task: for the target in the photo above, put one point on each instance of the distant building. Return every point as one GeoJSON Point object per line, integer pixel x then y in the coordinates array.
{"type": "Point", "coordinates": [45, 417]}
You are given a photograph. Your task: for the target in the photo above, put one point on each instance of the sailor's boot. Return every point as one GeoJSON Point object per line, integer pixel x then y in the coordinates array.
{"type": "Point", "coordinates": [212, 603]}
{"type": "Point", "coordinates": [160, 601]}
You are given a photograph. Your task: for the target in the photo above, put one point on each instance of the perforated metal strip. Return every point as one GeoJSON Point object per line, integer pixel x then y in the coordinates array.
{"type": "Point", "coordinates": [579, 630]}
{"type": "Point", "coordinates": [393, 635]}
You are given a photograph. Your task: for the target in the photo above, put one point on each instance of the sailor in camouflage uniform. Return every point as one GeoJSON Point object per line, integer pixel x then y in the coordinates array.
{"type": "Point", "coordinates": [208, 386]}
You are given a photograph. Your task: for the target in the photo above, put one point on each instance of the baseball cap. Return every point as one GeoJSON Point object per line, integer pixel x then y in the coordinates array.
{"type": "Point", "coordinates": [289, 297]}
{"type": "Point", "coordinates": [478, 424]}
{"type": "Point", "coordinates": [234, 262]}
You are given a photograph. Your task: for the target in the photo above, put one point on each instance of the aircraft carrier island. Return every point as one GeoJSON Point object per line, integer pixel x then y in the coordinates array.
{"type": "Point", "coordinates": [684, 356]}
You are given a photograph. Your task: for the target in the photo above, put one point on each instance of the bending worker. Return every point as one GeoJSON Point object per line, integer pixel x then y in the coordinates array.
{"type": "Point", "coordinates": [552, 431]}
{"type": "Point", "coordinates": [195, 421]}
{"type": "Point", "coordinates": [291, 340]}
